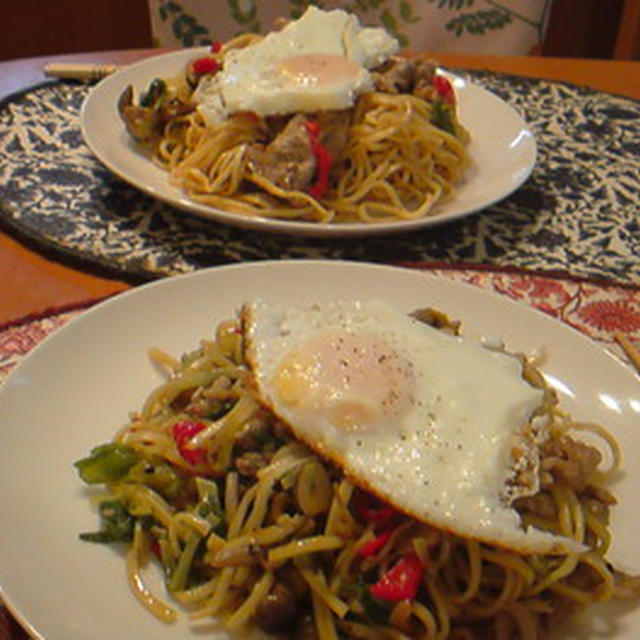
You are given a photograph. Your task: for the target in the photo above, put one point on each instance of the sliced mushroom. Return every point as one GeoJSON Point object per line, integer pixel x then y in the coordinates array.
{"type": "Point", "coordinates": [142, 122]}
{"type": "Point", "coordinates": [277, 610]}
{"type": "Point", "coordinates": [314, 491]}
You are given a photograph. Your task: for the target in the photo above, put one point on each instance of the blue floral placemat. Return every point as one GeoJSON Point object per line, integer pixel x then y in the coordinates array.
{"type": "Point", "coordinates": [577, 213]}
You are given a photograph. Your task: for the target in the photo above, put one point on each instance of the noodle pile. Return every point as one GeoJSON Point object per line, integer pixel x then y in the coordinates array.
{"type": "Point", "coordinates": [399, 160]}
{"type": "Point", "coordinates": [255, 529]}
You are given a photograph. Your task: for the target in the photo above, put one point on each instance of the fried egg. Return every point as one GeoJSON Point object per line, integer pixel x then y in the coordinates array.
{"type": "Point", "coordinates": [440, 426]}
{"type": "Point", "coordinates": [319, 62]}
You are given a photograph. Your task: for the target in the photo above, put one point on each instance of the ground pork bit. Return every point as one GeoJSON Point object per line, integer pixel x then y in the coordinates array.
{"type": "Point", "coordinates": [541, 504]}
{"type": "Point", "coordinates": [570, 460]}
{"type": "Point", "coordinates": [250, 462]}
{"type": "Point", "coordinates": [395, 76]}
{"type": "Point", "coordinates": [585, 578]}
{"type": "Point", "coordinates": [288, 161]}
{"type": "Point", "coordinates": [406, 75]}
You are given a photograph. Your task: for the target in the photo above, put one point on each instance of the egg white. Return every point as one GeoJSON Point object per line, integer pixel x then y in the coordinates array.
{"type": "Point", "coordinates": [425, 420]}
{"type": "Point", "coordinates": [318, 62]}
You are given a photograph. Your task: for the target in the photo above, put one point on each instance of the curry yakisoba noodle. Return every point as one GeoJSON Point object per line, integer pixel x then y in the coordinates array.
{"type": "Point", "coordinates": [395, 151]}
{"type": "Point", "coordinates": [253, 528]}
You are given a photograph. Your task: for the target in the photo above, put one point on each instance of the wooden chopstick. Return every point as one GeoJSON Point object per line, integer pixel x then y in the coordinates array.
{"type": "Point", "coordinates": [627, 346]}
{"type": "Point", "coordinates": [71, 71]}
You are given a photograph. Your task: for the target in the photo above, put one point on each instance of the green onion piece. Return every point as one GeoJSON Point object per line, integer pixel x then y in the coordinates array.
{"type": "Point", "coordinates": [179, 578]}
{"type": "Point", "coordinates": [156, 91]}
{"type": "Point", "coordinates": [157, 475]}
{"type": "Point", "coordinates": [373, 611]}
{"type": "Point", "coordinates": [107, 463]}
{"type": "Point", "coordinates": [116, 524]}
{"type": "Point", "coordinates": [441, 117]}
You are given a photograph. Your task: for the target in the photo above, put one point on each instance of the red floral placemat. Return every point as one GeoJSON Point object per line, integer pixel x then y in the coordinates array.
{"type": "Point", "coordinates": [600, 310]}
{"type": "Point", "coordinates": [18, 339]}
{"type": "Point", "coordinates": [597, 309]}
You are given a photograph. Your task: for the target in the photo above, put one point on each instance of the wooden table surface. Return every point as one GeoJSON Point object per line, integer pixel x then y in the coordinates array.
{"type": "Point", "coordinates": [32, 283]}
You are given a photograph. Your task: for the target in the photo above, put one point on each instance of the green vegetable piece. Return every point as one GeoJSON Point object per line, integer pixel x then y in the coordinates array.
{"type": "Point", "coordinates": [441, 117]}
{"type": "Point", "coordinates": [157, 475]}
{"type": "Point", "coordinates": [209, 506]}
{"type": "Point", "coordinates": [116, 524]}
{"type": "Point", "coordinates": [180, 576]}
{"type": "Point", "coordinates": [156, 91]}
{"type": "Point", "coordinates": [373, 610]}
{"type": "Point", "coordinates": [107, 463]}
{"type": "Point", "coordinates": [221, 409]}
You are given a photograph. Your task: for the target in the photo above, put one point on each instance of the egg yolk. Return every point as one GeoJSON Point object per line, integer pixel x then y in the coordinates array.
{"type": "Point", "coordinates": [318, 68]}
{"type": "Point", "coordinates": [355, 382]}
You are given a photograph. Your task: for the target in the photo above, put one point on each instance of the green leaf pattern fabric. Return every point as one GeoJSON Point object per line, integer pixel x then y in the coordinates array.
{"type": "Point", "coordinates": [515, 27]}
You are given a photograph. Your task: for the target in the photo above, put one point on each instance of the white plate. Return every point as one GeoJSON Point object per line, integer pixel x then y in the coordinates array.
{"type": "Point", "coordinates": [78, 386]}
{"type": "Point", "coordinates": [503, 150]}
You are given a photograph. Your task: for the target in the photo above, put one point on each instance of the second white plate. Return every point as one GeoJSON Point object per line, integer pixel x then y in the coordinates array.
{"type": "Point", "coordinates": [78, 387]}
{"type": "Point", "coordinates": [502, 148]}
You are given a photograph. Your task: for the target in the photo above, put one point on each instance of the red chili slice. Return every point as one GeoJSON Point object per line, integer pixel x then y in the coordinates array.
{"type": "Point", "coordinates": [205, 65]}
{"type": "Point", "coordinates": [373, 546]}
{"type": "Point", "coordinates": [216, 46]}
{"type": "Point", "coordinates": [401, 582]}
{"type": "Point", "coordinates": [183, 432]}
{"type": "Point", "coordinates": [323, 160]}
{"type": "Point", "coordinates": [444, 88]}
